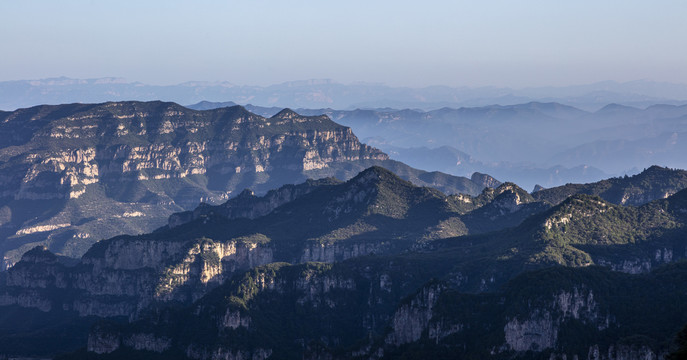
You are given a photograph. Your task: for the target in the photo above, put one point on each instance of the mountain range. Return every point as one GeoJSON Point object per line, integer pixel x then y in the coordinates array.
{"type": "Point", "coordinates": [538, 136]}
{"type": "Point", "coordinates": [547, 144]}
{"type": "Point", "coordinates": [150, 230]}
{"type": "Point", "coordinates": [77, 173]}
{"type": "Point", "coordinates": [373, 267]}
{"type": "Point", "coordinates": [328, 93]}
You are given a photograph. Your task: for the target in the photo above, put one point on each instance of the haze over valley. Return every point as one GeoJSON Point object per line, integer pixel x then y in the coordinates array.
{"type": "Point", "coordinates": [544, 141]}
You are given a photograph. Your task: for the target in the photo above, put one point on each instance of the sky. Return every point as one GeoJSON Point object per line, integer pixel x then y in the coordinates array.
{"type": "Point", "coordinates": [399, 43]}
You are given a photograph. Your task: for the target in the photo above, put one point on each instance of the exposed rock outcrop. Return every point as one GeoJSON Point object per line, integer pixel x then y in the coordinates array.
{"type": "Point", "coordinates": [94, 171]}
{"type": "Point", "coordinates": [150, 159]}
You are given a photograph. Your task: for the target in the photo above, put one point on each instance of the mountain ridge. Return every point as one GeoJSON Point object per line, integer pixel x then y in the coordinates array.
{"type": "Point", "coordinates": [75, 173]}
{"type": "Point", "coordinates": [532, 143]}
{"type": "Point", "coordinates": [378, 246]}
{"type": "Point", "coordinates": [653, 183]}
{"type": "Point", "coordinates": [375, 212]}
{"type": "Point", "coordinates": [23, 93]}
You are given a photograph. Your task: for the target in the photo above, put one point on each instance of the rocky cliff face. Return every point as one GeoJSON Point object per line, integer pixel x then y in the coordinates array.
{"type": "Point", "coordinates": [330, 221]}
{"type": "Point", "coordinates": [313, 289]}
{"type": "Point", "coordinates": [412, 319]}
{"type": "Point", "coordinates": [223, 274]}
{"type": "Point", "coordinates": [135, 163]}
{"type": "Point", "coordinates": [533, 316]}
{"type": "Point", "coordinates": [485, 180]}
{"type": "Point", "coordinates": [93, 171]}
{"type": "Point", "coordinates": [559, 323]}
{"type": "Point", "coordinates": [126, 276]}
{"type": "Point", "coordinates": [317, 221]}
{"type": "Point", "coordinates": [539, 330]}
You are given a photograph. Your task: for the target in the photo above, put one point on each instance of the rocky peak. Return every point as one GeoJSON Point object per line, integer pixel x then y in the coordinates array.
{"type": "Point", "coordinates": [286, 114]}
{"type": "Point", "coordinates": [379, 180]}
{"type": "Point", "coordinates": [511, 188]}
{"type": "Point", "coordinates": [654, 170]}
{"type": "Point", "coordinates": [318, 123]}
{"type": "Point", "coordinates": [503, 191]}
{"type": "Point", "coordinates": [375, 174]}
{"type": "Point", "coordinates": [379, 177]}
{"type": "Point", "coordinates": [484, 180]}
{"type": "Point", "coordinates": [247, 205]}
{"type": "Point", "coordinates": [576, 206]}
{"type": "Point", "coordinates": [509, 200]}
{"type": "Point", "coordinates": [653, 183]}
{"type": "Point", "coordinates": [381, 192]}
{"type": "Point", "coordinates": [508, 203]}
{"type": "Point", "coordinates": [132, 164]}
{"type": "Point", "coordinates": [39, 254]}
{"type": "Point", "coordinates": [246, 194]}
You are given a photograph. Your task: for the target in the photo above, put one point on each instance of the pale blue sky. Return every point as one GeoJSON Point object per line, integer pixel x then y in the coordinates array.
{"type": "Point", "coordinates": [407, 43]}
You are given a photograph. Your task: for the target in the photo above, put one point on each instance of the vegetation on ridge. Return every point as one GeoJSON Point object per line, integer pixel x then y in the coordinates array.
{"type": "Point", "coordinates": [401, 254]}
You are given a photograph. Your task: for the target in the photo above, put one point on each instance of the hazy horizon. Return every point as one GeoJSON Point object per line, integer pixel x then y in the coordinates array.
{"type": "Point", "coordinates": [322, 81]}
{"type": "Point", "coordinates": [399, 44]}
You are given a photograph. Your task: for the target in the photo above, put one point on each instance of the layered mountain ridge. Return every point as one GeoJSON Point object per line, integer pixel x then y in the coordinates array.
{"type": "Point", "coordinates": [449, 267]}
{"type": "Point", "coordinates": [279, 275]}
{"type": "Point", "coordinates": [74, 174]}
{"type": "Point", "coordinates": [283, 311]}
{"type": "Point", "coordinates": [653, 183]}
{"type": "Point", "coordinates": [376, 212]}
{"type": "Point", "coordinates": [317, 93]}
{"type": "Point", "coordinates": [528, 143]}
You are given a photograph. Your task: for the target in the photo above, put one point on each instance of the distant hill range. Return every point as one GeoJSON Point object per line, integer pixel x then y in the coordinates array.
{"type": "Point", "coordinates": [316, 94]}
{"type": "Point", "coordinates": [375, 267]}
{"type": "Point", "coordinates": [652, 183]}
{"type": "Point", "coordinates": [73, 174]}
{"type": "Point", "coordinates": [549, 144]}
{"type": "Point", "coordinates": [547, 136]}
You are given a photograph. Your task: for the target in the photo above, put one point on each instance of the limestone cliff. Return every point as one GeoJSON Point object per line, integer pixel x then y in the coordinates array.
{"type": "Point", "coordinates": [580, 319]}
{"type": "Point", "coordinates": [323, 221]}
{"type": "Point", "coordinates": [126, 276]}
{"type": "Point", "coordinates": [366, 310]}
{"type": "Point", "coordinates": [106, 169]}
{"type": "Point", "coordinates": [314, 289]}
{"type": "Point", "coordinates": [71, 175]}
